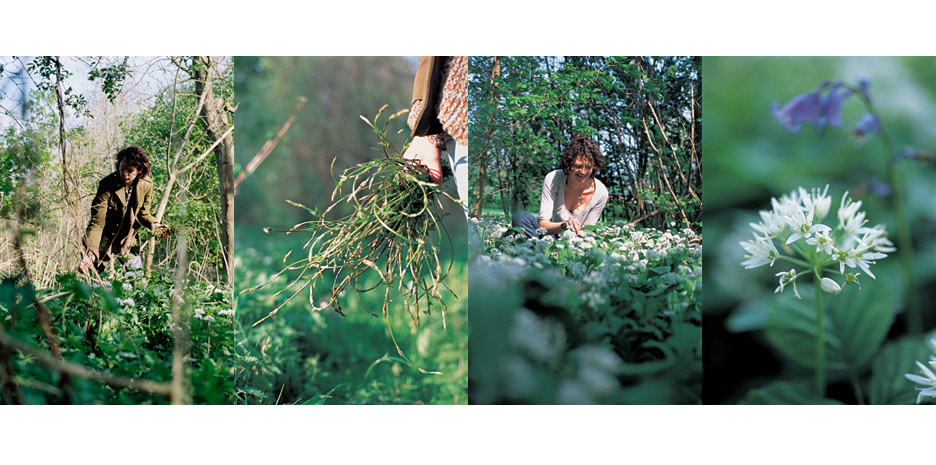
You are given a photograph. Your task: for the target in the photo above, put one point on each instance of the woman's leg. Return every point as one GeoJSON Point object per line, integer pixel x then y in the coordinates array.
{"type": "Point", "coordinates": [526, 221]}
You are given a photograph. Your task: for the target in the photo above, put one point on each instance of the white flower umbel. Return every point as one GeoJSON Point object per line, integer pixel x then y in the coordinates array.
{"type": "Point", "coordinates": [795, 221]}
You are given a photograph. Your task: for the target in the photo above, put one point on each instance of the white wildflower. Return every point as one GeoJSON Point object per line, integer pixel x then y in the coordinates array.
{"type": "Point", "coordinates": [823, 242]}
{"type": "Point", "coordinates": [787, 278]}
{"type": "Point", "coordinates": [818, 203]}
{"type": "Point", "coordinates": [761, 251]}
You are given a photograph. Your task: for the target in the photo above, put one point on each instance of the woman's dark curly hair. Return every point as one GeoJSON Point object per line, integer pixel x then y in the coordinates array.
{"type": "Point", "coordinates": [581, 146]}
{"type": "Point", "coordinates": [135, 157]}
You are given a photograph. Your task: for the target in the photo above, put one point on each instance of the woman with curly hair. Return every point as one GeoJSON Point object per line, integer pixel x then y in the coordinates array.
{"type": "Point", "coordinates": [572, 196]}
{"type": "Point", "coordinates": [120, 207]}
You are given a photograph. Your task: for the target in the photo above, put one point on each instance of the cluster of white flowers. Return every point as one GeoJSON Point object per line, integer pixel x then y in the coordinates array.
{"type": "Point", "coordinates": [202, 315]}
{"type": "Point", "coordinates": [595, 377]}
{"type": "Point", "coordinates": [795, 223]}
{"type": "Point", "coordinates": [623, 252]}
{"type": "Point", "coordinates": [539, 339]}
{"type": "Point", "coordinates": [590, 269]}
{"type": "Point", "coordinates": [929, 378]}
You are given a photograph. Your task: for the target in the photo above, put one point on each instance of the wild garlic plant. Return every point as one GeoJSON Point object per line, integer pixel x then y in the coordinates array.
{"type": "Point", "coordinates": [835, 254]}
{"type": "Point", "coordinates": [823, 107]}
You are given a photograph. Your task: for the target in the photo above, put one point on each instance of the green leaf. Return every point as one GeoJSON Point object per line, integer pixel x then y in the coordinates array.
{"type": "Point", "coordinates": [786, 393]}
{"type": "Point", "coordinates": [659, 270]}
{"type": "Point", "coordinates": [594, 330]}
{"type": "Point", "coordinates": [861, 319]}
{"type": "Point", "coordinates": [888, 386]}
{"type": "Point", "coordinates": [856, 322]}
{"type": "Point", "coordinates": [751, 315]}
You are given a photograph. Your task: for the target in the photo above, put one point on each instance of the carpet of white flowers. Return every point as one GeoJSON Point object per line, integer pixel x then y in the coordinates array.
{"type": "Point", "coordinates": [611, 316]}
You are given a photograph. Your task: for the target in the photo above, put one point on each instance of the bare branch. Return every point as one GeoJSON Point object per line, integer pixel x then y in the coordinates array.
{"type": "Point", "coordinates": [268, 146]}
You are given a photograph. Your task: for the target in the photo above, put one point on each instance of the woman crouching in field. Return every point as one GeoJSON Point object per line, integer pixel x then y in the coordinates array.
{"type": "Point", "coordinates": [120, 207]}
{"type": "Point", "coordinates": [572, 196]}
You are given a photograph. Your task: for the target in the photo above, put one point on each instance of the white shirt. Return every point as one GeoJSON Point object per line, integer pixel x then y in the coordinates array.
{"type": "Point", "coordinates": [552, 203]}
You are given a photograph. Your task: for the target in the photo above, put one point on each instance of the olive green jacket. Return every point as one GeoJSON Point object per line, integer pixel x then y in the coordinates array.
{"type": "Point", "coordinates": [426, 90]}
{"type": "Point", "coordinates": [108, 210]}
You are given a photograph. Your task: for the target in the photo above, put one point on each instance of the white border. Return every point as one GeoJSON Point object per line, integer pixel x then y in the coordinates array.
{"type": "Point", "coordinates": [468, 434]}
{"type": "Point", "coordinates": [480, 27]}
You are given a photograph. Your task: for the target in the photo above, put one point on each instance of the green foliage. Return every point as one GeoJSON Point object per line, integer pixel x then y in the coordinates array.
{"type": "Point", "coordinates": [665, 204]}
{"type": "Point", "coordinates": [50, 72]}
{"type": "Point", "coordinates": [391, 252]}
{"type": "Point", "coordinates": [112, 76]}
{"type": "Point", "coordinates": [22, 154]}
{"type": "Point", "coordinates": [339, 90]}
{"type": "Point", "coordinates": [888, 385]}
{"type": "Point", "coordinates": [857, 322]}
{"type": "Point", "coordinates": [300, 356]}
{"type": "Point", "coordinates": [122, 329]}
{"type": "Point", "coordinates": [786, 393]}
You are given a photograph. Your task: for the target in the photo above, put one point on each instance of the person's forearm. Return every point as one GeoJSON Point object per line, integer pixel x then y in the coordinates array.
{"type": "Point", "coordinates": [551, 227]}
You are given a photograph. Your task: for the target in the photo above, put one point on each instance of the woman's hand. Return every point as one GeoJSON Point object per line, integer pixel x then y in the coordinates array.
{"type": "Point", "coordinates": [86, 263]}
{"type": "Point", "coordinates": [557, 228]}
{"type": "Point", "coordinates": [164, 227]}
{"type": "Point", "coordinates": [427, 154]}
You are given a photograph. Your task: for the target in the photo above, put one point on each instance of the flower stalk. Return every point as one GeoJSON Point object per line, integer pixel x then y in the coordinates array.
{"type": "Point", "coordinates": [820, 339]}
{"type": "Point", "coordinates": [904, 239]}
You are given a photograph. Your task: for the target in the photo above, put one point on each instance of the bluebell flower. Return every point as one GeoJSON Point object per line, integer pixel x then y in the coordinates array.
{"type": "Point", "coordinates": [832, 105]}
{"type": "Point", "coordinates": [813, 107]}
{"type": "Point", "coordinates": [874, 187]}
{"type": "Point", "coordinates": [866, 126]}
{"type": "Point", "coordinates": [801, 109]}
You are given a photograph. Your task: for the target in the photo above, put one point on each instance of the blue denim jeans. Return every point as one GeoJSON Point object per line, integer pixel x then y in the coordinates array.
{"type": "Point", "coordinates": [458, 160]}
{"type": "Point", "coordinates": [526, 221]}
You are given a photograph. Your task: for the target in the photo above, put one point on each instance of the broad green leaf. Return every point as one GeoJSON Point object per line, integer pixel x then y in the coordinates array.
{"type": "Point", "coordinates": [888, 384]}
{"type": "Point", "coordinates": [751, 315]}
{"type": "Point", "coordinates": [856, 322]}
{"type": "Point", "coordinates": [786, 393]}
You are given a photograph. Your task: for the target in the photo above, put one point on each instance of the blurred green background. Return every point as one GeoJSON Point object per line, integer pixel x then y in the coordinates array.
{"type": "Point", "coordinates": [752, 157]}
{"type": "Point", "coordinates": [299, 356]}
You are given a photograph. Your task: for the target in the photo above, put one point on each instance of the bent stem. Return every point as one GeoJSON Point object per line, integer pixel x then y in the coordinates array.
{"type": "Point", "coordinates": [904, 239]}
{"type": "Point", "coordinates": [820, 339]}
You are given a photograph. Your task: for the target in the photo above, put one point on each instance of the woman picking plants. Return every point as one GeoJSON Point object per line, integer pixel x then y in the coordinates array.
{"type": "Point", "coordinates": [572, 196]}
{"type": "Point", "coordinates": [120, 207]}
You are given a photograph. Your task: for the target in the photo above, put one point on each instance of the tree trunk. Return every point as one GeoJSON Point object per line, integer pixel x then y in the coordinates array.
{"type": "Point", "coordinates": [488, 130]}
{"type": "Point", "coordinates": [215, 120]}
